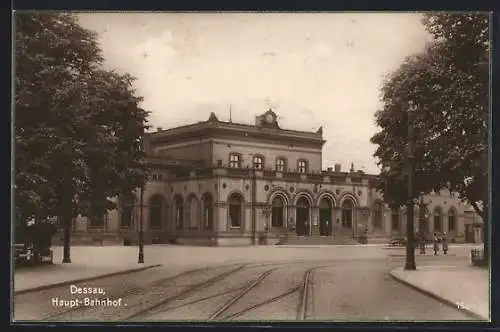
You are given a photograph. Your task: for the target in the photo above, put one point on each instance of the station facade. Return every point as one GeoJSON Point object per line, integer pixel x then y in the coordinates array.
{"type": "Point", "coordinates": [224, 183]}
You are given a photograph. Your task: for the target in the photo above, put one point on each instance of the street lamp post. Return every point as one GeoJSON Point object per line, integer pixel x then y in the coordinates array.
{"type": "Point", "coordinates": [254, 211]}
{"type": "Point", "coordinates": [141, 227]}
{"type": "Point", "coordinates": [410, 243]}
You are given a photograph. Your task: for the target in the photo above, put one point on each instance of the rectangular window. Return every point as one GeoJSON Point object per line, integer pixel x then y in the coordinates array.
{"type": "Point", "coordinates": [302, 166]}
{"type": "Point", "coordinates": [258, 162]}
{"type": "Point", "coordinates": [280, 165]}
{"type": "Point", "coordinates": [234, 160]}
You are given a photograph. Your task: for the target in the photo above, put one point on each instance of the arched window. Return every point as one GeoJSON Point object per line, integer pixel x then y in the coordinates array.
{"type": "Point", "coordinates": [347, 210]}
{"type": "Point", "coordinates": [377, 215]}
{"type": "Point", "coordinates": [280, 164]}
{"type": "Point", "coordinates": [302, 165]}
{"type": "Point", "coordinates": [178, 211]}
{"type": "Point", "coordinates": [395, 219]}
{"type": "Point", "coordinates": [451, 220]}
{"type": "Point", "coordinates": [258, 162]}
{"type": "Point", "coordinates": [277, 212]}
{"type": "Point", "coordinates": [127, 210]}
{"type": "Point", "coordinates": [438, 220]}
{"type": "Point", "coordinates": [194, 212]}
{"type": "Point", "coordinates": [234, 160]}
{"type": "Point", "coordinates": [207, 211]}
{"type": "Point", "coordinates": [236, 210]}
{"type": "Point", "coordinates": [156, 205]}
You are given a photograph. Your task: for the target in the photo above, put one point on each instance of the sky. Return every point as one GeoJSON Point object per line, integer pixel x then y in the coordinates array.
{"type": "Point", "coordinates": [312, 69]}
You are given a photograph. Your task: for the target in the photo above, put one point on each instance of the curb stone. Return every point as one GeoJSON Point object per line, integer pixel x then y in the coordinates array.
{"type": "Point", "coordinates": [441, 299]}
{"type": "Point", "coordinates": [69, 282]}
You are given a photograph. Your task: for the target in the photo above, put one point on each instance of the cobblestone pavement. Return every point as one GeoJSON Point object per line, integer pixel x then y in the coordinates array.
{"type": "Point", "coordinates": [328, 290]}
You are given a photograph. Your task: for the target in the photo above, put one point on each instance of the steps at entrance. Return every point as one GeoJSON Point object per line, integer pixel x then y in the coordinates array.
{"type": "Point", "coordinates": [293, 239]}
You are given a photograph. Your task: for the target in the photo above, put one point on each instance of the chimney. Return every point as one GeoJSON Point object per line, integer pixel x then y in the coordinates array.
{"type": "Point", "coordinates": [329, 169]}
{"type": "Point", "coordinates": [159, 129]}
{"type": "Point", "coordinates": [337, 168]}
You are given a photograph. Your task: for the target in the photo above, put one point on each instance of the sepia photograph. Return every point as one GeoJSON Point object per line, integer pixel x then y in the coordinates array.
{"type": "Point", "coordinates": [250, 167]}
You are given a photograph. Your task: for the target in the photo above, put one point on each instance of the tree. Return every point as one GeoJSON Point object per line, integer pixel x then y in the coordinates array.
{"type": "Point", "coordinates": [449, 85]}
{"type": "Point", "coordinates": [78, 126]}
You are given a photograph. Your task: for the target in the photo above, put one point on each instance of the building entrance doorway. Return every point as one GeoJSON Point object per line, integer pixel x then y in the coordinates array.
{"type": "Point", "coordinates": [325, 217]}
{"type": "Point", "coordinates": [347, 211]}
{"type": "Point", "coordinates": [302, 217]}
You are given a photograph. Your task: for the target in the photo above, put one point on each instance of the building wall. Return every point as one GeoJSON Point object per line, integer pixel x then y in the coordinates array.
{"type": "Point", "coordinates": [223, 148]}
{"type": "Point", "coordinates": [191, 150]}
{"type": "Point", "coordinates": [443, 201]}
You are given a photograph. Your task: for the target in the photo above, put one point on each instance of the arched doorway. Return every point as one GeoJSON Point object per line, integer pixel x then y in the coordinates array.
{"type": "Point", "coordinates": [325, 217]}
{"type": "Point", "coordinates": [193, 212]}
{"type": "Point", "coordinates": [302, 216]}
{"type": "Point", "coordinates": [278, 212]}
{"type": "Point", "coordinates": [156, 206]}
{"type": "Point", "coordinates": [127, 210]}
{"type": "Point", "coordinates": [452, 220]}
{"type": "Point", "coordinates": [208, 214]}
{"type": "Point", "coordinates": [236, 211]}
{"type": "Point", "coordinates": [377, 215]}
{"type": "Point", "coordinates": [438, 220]}
{"type": "Point", "coordinates": [179, 212]}
{"type": "Point", "coordinates": [347, 213]}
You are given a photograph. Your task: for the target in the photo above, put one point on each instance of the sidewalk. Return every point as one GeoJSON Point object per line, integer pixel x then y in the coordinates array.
{"type": "Point", "coordinates": [86, 265]}
{"type": "Point", "coordinates": [459, 250]}
{"type": "Point", "coordinates": [464, 287]}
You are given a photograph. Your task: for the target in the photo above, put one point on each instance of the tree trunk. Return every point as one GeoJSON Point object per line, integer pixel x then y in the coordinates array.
{"type": "Point", "coordinates": [483, 213]}
{"type": "Point", "coordinates": [66, 221]}
{"type": "Point", "coordinates": [65, 215]}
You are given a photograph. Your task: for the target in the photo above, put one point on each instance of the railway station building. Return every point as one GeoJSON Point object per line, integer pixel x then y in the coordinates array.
{"type": "Point", "coordinates": [224, 183]}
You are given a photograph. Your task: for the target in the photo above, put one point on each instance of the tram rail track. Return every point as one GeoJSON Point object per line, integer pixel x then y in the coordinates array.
{"type": "Point", "coordinates": [61, 313]}
{"type": "Point", "coordinates": [303, 288]}
{"type": "Point", "coordinates": [129, 292]}
{"type": "Point", "coordinates": [142, 313]}
{"type": "Point", "coordinates": [222, 313]}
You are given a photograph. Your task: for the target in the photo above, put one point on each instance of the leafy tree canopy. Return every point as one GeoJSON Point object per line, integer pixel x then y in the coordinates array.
{"type": "Point", "coordinates": [78, 126]}
{"type": "Point", "coordinates": [449, 84]}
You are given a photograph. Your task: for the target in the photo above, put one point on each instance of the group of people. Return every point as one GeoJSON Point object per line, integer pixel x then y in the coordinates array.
{"type": "Point", "coordinates": [438, 240]}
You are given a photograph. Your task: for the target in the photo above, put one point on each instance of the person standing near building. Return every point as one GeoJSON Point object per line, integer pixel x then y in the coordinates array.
{"type": "Point", "coordinates": [444, 242]}
{"type": "Point", "coordinates": [435, 241]}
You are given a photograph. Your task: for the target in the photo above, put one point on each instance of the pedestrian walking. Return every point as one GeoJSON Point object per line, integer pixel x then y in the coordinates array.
{"type": "Point", "coordinates": [444, 242]}
{"type": "Point", "coordinates": [436, 244]}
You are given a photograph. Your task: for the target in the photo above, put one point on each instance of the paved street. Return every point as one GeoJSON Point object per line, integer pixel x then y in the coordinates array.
{"type": "Point", "coordinates": [330, 289]}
